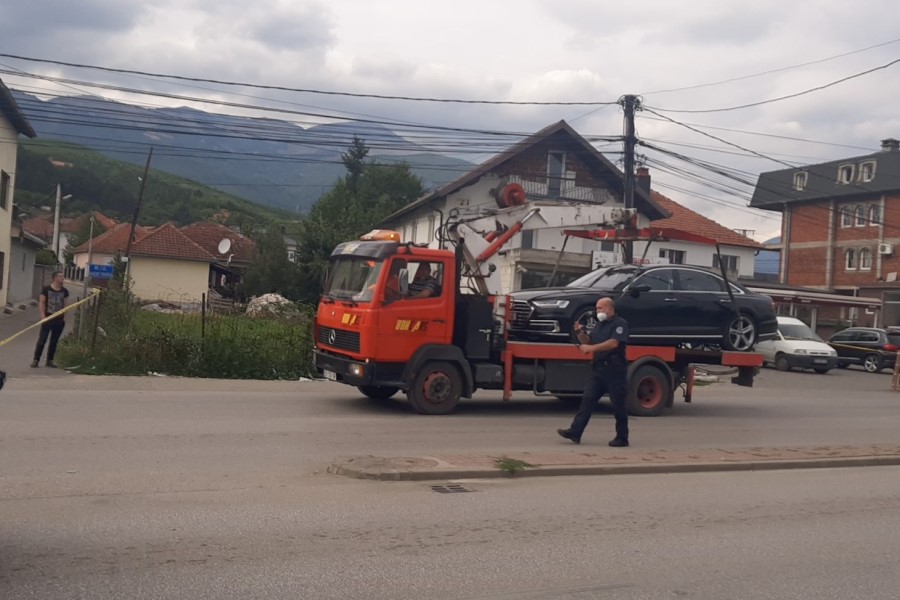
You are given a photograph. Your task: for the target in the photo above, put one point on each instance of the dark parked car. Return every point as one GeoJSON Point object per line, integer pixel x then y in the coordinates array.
{"type": "Point", "coordinates": [875, 349]}
{"type": "Point", "coordinates": [663, 304]}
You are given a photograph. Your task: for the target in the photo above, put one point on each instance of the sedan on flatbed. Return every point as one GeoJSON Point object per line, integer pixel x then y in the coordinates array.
{"type": "Point", "coordinates": [663, 304]}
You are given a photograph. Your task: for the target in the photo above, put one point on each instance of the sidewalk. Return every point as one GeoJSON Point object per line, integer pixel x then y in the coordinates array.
{"type": "Point", "coordinates": [616, 461]}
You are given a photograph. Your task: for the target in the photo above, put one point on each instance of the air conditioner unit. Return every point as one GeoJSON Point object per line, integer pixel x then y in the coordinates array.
{"type": "Point", "coordinates": [885, 249]}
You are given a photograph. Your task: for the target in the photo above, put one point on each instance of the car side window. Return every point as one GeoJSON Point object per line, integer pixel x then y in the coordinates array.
{"type": "Point", "coordinates": [841, 337]}
{"type": "Point", "coordinates": [698, 281]}
{"type": "Point", "coordinates": [868, 336]}
{"type": "Point", "coordinates": [659, 280]}
{"type": "Point", "coordinates": [425, 280]}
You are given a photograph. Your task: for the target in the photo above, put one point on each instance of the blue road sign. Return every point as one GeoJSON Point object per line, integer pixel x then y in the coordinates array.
{"type": "Point", "coordinates": [101, 271]}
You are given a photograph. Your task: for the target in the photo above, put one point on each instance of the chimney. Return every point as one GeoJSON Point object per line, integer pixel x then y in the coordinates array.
{"type": "Point", "coordinates": [642, 179]}
{"type": "Point", "coordinates": [890, 145]}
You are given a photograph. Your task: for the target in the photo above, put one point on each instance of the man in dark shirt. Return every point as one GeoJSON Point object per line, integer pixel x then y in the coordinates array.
{"type": "Point", "coordinates": [423, 284]}
{"type": "Point", "coordinates": [52, 301]}
{"type": "Point", "coordinates": [609, 372]}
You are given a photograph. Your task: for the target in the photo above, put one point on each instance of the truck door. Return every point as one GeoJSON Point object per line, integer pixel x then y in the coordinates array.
{"type": "Point", "coordinates": [416, 308]}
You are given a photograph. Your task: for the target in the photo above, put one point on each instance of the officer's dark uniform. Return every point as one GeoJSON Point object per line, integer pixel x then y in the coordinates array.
{"type": "Point", "coordinates": [609, 374]}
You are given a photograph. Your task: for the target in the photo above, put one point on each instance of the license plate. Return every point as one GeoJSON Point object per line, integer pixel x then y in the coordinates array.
{"type": "Point", "coordinates": [820, 361]}
{"type": "Point", "coordinates": [330, 375]}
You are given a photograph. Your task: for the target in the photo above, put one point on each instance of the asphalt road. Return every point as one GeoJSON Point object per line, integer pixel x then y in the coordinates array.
{"type": "Point", "coordinates": [177, 488]}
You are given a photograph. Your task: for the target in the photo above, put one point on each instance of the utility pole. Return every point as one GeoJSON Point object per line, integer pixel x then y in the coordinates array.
{"type": "Point", "coordinates": [630, 103]}
{"type": "Point", "coordinates": [59, 199]}
{"type": "Point", "coordinates": [87, 275]}
{"type": "Point", "coordinates": [137, 207]}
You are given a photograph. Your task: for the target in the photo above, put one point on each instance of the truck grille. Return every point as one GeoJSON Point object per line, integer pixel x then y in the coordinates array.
{"type": "Point", "coordinates": [338, 338]}
{"type": "Point", "coordinates": [521, 313]}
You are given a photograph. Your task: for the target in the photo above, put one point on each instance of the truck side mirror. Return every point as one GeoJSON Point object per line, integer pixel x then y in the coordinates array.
{"type": "Point", "coordinates": [638, 289]}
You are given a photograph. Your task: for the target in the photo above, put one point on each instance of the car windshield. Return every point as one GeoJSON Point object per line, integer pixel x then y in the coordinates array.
{"type": "Point", "coordinates": [794, 331]}
{"type": "Point", "coordinates": [352, 278]}
{"type": "Point", "coordinates": [607, 278]}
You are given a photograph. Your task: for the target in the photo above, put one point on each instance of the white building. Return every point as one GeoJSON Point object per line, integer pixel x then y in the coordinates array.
{"type": "Point", "coordinates": [12, 124]}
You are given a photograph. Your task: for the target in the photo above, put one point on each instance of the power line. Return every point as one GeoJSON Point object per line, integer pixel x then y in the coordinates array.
{"type": "Point", "coordinates": [300, 90]}
{"type": "Point", "coordinates": [769, 72]}
{"type": "Point", "coordinates": [780, 98]}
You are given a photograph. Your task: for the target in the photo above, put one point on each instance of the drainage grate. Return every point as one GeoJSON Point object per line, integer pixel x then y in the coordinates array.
{"type": "Point", "coordinates": [450, 488]}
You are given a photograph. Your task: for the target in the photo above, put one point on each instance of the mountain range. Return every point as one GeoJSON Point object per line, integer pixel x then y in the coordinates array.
{"type": "Point", "coordinates": [267, 161]}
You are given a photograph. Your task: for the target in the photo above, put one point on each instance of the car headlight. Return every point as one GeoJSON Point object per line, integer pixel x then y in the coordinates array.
{"type": "Point", "coordinates": [801, 351]}
{"type": "Point", "coordinates": [551, 303]}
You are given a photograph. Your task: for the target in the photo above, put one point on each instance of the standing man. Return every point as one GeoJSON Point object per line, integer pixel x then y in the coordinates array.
{"type": "Point", "coordinates": [609, 372]}
{"type": "Point", "coordinates": [52, 300]}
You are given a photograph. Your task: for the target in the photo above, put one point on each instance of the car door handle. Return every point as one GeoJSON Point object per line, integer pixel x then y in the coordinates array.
{"type": "Point", "coordinates": [725, 301]}
{"type": "Point", "coordinates": [671, 299]}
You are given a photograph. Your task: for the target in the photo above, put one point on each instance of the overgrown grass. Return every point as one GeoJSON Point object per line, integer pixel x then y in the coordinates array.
{"type": "Point", "coordinates": [137, 342]}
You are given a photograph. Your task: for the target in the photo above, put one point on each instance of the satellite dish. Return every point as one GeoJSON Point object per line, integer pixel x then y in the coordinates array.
{"type": "Point", "coordinates": [224, 245]}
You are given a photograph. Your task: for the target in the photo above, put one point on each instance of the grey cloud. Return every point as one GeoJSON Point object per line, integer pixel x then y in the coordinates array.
{"type": "Point", "coordinates": [309, 29]}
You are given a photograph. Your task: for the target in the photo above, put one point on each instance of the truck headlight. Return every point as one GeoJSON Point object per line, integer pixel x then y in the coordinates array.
{"type": "Point", "coordinates": [357, 370]}
{"type": "Point", "coordinates": [551, 303]}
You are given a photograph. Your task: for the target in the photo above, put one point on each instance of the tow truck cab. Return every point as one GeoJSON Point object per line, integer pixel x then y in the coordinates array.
{"type": "Point", "coordinates": [373, 325]}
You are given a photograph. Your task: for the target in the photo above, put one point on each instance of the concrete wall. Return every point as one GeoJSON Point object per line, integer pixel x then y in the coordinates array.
{"type": "Point", "coordinates": [21, 272]}
{"type": "Point", "coordinates": [8, 147]}
{"type": "Point", "coordinates": [168, 279]}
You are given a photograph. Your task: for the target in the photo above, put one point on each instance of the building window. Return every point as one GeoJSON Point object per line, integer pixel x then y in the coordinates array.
{"type": "Point", "coordinates": [860, 215]}
{"type": "Point", "coordinates": [4, 188]}
{"type": "Point", "coordinates": [676, 257]}
{"type": "Point", "coordinates": [800, 180]}
{"type": "Point", "coordinates": [556, 166]}
{"type": "Point", "coordinates": [731, 262]}
{"type": "Point", "coordinates": [865, 259]}
{"type": "Point", "coordinates": [414, 232]}
{"type": "Point", "coordinates": [845, 173]}
{"type": "Point", "coordinates": [874, 214]}
{"type": "Point", "coordinates": [867, 171]}
{"type": "Point", "coordinates": [850, 259]}
{"type": "Point", "coordinates": [607, 246]}
{"type": "Point", "coordinates": [430, 237]}
{"type": "Point", "coordinates": [846, 216]}
{"type": "Point", "coordinates": [528, 239]}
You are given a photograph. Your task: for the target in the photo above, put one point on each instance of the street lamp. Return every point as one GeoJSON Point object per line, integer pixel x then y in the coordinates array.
{"type": "Point", "coordinates": [59, 198]}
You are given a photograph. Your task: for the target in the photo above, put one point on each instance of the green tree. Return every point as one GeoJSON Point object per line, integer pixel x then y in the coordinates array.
{"type": "Point", "coordinates": [356, 204]}
{"type": "Point", "coordinates": [271, 271]}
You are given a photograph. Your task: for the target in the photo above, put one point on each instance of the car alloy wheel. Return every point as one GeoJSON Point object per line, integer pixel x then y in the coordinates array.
{"type": "Point", "coordinates": [872, 363]}
{"type": "Point", "coordinates": [741, 334]}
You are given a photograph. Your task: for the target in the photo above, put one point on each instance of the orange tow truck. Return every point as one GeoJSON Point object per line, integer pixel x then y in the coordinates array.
{"type": "Point", "coordinates": [375, 330]}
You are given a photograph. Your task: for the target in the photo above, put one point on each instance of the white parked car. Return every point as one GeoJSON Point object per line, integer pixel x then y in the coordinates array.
{"type": "Point", "coordinates": [797, 346]}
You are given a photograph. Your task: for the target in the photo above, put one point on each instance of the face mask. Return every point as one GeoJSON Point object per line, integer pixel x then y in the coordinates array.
{"type": "Point", "coordinates": [601, 316]}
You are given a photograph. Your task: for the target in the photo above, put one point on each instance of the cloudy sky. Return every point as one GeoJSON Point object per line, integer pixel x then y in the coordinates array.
{"type": "Point", "coordinates": [692, 55]}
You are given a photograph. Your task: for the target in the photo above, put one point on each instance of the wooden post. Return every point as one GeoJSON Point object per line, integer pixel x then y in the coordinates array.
{"type": "Point", "coordinates": [895, 380]}
{"type": "Point", "coordinates": [202, 317]}
{"type": "Point", "coordinates": [96, 321]}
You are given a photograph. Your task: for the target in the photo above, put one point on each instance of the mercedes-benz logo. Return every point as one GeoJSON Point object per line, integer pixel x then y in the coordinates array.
{"type": "Point", "coordinates": [332, 337]}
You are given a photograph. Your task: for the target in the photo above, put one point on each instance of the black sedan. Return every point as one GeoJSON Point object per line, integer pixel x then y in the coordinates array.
{"type": "Point", "coordinates": [663, 304]}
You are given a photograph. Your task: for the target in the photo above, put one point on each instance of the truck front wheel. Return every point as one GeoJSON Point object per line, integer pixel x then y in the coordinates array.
{"type": "Point", "coordinates": [378, 392]}
{"type": "Point", "coordinates": [436, 389]}
{"type": "Point", "coordinates": [649, 391]}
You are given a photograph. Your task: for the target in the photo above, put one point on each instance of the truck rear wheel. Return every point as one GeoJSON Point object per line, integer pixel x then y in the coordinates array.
{"type": "Point", "coordinates": [378, 392]}
{"type": "Point", "coordinates": [436, 389]}
{"type": "Point", "coordinates": [649, 391]}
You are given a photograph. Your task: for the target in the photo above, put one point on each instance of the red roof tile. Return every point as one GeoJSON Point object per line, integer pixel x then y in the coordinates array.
{"type": "Point", "coordinates": [685, 219]}
{"type": "Point", "coordinates": [208, 236]}
{"type": "Point", "coordinates": [168, 242]}
{"type": "Point", "coordinates": [112, 241]}
{"type": "Point", "coordinates": [41, 226]}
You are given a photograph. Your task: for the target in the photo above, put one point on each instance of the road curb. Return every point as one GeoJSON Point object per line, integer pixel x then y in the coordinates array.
{"type": "Point", "coordinates": [445, 473]}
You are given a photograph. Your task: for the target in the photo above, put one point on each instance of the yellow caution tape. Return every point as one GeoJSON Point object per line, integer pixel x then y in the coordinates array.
{"type": "Point", "coordinates": [50, 318]}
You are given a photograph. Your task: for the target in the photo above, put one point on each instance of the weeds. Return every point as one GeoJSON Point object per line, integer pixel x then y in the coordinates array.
{"type": "Point", "coordinates": [511, 466]}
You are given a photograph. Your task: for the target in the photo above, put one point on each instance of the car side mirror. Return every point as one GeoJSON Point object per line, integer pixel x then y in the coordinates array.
{"type": "Point", "coordinates": [638, 289]}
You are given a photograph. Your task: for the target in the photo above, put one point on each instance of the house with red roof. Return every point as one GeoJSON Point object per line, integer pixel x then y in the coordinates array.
{"type": "Point", "coordinates": [738, 252]}
{"type": "Point", "coordinates": [165, 264]}
{"type": "Point", "coordinates": [171, 263]}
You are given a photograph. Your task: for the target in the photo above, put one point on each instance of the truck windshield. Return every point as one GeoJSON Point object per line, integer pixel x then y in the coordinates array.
{"type": "Point", "coordinates": [794, 331]}
{"type": "Point", "coordinates": [352, 278]}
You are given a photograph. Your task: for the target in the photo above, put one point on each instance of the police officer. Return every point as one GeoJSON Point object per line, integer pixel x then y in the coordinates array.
{"type": "Point", "coordinates": [609, 372]}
